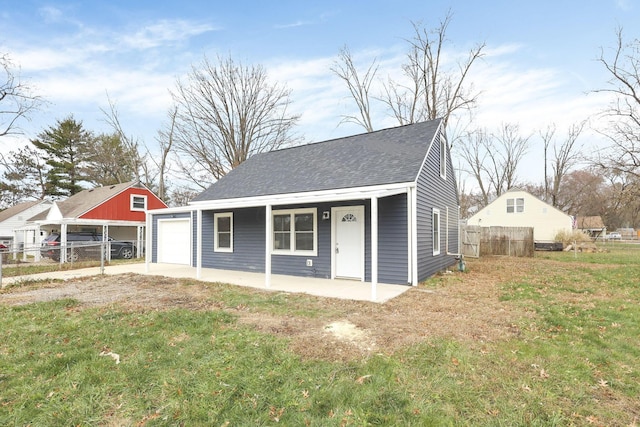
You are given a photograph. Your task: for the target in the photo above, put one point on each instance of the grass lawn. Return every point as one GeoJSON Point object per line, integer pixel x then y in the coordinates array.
{"type": "Point", "coordinates": [572, 358]}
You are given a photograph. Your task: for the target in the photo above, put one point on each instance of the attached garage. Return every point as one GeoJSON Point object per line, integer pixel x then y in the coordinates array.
{"type": "Point", "coordinates": [174, 241]}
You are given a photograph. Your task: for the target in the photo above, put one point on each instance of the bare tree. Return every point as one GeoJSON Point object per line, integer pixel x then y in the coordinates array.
{"type": "Point", "coordinates": [565, 156]}
{"type": "Point", "coordinates": [473, 152]}
{"type": "Point", "coordinates": [505, 150]}
{"type": "Point", "coordinates": [226, 113]}
{"type": "Point", "coordinates": [136, 161]}
{"type": "Point", "coordinates": [439, 91]}
{"type": "Point", "coordinates": [165, 140]}
{"type": "Point", "coordinates": [493, 158]}
{"type": "Point", "coordinates": [430, 89]}
{"type": "Point", "coordinates": [16, 98]}
{"type": "Point", "coordinates": [24, 176]}
{"type": "Point", "coordinates": [109, 160]}
{"type": "Point", "coordinates": [623, 129]}
{"type": "Point", "coordinates": [359, 87]}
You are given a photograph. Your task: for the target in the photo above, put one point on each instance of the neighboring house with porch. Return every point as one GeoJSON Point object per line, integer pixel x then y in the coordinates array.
{"type": "Point", "coordinates": [375, 207]}
{"type": "Point", "coordinates": [16, 217]}
{"type": "Point", "coordinates": [118, 211]}
{"type": "Point", "coordinates": [518, 208]}
{"type": "Point", "coordinates": [592, 225]}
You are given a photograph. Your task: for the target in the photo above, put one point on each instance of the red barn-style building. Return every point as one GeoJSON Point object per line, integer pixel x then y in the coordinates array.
{"type": "Point", "coordinates": [117, 211]}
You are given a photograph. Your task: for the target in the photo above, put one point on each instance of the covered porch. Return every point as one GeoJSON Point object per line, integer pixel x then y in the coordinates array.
{"type": "Point", "coordinates": [275, 203]}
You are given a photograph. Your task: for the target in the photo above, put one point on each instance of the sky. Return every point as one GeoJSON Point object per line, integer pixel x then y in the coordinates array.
{"type": "Point", "coordinates": [540, 65]}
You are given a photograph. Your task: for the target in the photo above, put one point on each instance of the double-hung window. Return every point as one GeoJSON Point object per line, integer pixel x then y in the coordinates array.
{"type": "Point", "coordinates": [515, 205]}
{"type": "Point", "coordinates": [436, 231]}
{"type": "Point", "coordinates": [295, 232]}
{"type": "Point", "coordinates": [443, 157]}
{"type": "Point", "coordinates": [138, 202]}
{"type": "Point", "coordinates": [223, 231]}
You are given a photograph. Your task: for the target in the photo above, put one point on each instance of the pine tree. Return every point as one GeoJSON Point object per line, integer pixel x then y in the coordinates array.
{"type": "Point", "coordinates": [65, 148]}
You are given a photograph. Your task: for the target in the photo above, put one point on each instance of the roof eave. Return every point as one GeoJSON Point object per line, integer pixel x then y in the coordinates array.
{"type": "Point", "coordinates": [336, 195]}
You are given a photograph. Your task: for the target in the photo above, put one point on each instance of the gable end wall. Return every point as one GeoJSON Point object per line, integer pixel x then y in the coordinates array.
{"type": "Point", "coordinates": [435, 192]}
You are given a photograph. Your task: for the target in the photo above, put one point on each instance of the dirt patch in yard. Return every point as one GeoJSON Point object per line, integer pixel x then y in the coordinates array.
{"type": "Point", "coordinates": [462, 306]}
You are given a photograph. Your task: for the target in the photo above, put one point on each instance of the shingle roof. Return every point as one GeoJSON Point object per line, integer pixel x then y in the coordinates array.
{"type": "Point", "coordinates": [86, 200]}
{"type": "Point", "coordinates": [16, 209]}
{"type": "Point", "coordinates": [383, 157]}
{"type": "Point", "coordinates": [585, 222]}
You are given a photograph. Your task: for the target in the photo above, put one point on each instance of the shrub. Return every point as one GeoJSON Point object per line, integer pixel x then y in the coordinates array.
{"type": "Point", "coordinates": [567, 237]}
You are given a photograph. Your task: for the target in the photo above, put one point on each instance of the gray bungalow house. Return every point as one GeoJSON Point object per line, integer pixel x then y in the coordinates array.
{"type": "Point", "coordinates": [380, 207]}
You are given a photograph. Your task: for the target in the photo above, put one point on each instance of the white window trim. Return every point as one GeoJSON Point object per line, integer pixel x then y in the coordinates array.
{"type": "Point", "coordinates": [433, 235]}
{"type": "Point", "coordinates": [131, 204]}
{"type": "Point", "coordinates": [443, 157]}
{"type": "Point", "coordinates": [216, 247]}
{"type": "Point", "coordinates": [515, 205]}
{"type": "Point", "coordinates": [292, 244]}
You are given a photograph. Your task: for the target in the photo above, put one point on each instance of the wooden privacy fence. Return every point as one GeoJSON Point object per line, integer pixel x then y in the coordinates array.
{"type": "Point", "coordinates": [511, 241]}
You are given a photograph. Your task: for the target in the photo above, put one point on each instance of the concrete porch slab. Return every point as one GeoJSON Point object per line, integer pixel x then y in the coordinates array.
{"type": "Point", "coordinates": [342, 289]}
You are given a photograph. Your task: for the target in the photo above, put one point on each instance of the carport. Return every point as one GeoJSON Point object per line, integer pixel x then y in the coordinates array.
{"type": "Point", "coordinates": [123, 230]}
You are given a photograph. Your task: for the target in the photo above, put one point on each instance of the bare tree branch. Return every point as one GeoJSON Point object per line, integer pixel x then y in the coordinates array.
{"type": "Point", "coordinates": [227, 112]}
{"type": "Point", "coordinates": [16, 98]}
{"type": "Point", "coordinates": [623, 129]}
{"type": "Point", "coordinates": [359, 88]}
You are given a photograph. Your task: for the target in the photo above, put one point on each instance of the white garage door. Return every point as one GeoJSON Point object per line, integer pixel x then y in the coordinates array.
{"type": "Point", "coordinates": [174, 241]}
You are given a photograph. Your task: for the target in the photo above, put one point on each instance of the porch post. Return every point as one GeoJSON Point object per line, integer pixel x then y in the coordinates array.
{"type": "Point", "coordinates": [374, 248]}
{"type": "Point", "coordinates": [409, 236]}
{"type": "Point", "coordinates": [63, 242]}
{"type": "Point", "coordinates": [105, 241]}
{"type": "Point", "coordinates": [24, 246]}
{"type": "Point", "coordinates": [38, 241]}
{"type": "Point", "coordinates": [147, 244]}
{"type": "Point", "coordinates": [199, 244]}
{"type": "Point", "coordinates": [267, 246]}
{"type": "Point", "coordinates": [414, 241]}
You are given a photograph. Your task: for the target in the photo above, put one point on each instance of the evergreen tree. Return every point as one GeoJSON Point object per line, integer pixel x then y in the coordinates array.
{"type": "Point", "coordinates": [65, 148]}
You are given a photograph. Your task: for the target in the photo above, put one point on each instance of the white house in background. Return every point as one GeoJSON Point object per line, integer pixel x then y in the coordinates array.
{"type": "Point", "coordinates": [517, 208]}
{"type": "Point", "coordinates": [15, 217]}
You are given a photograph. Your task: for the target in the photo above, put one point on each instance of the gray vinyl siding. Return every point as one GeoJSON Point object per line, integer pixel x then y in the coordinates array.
{"type": "Point", "coordinates": [249, 242]}
{"type": "Point", "coordinates": [295, 265]}
{"type": "Point", "coordinates": [435, 192]}
{"type": "Point", "coordinates": [154, 231]}
{"type": "Point", "coordinates": [393, 240]}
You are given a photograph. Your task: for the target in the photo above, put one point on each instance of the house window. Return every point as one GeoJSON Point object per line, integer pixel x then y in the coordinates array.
{"type": "Point", "coordinates": [223, 230]}
{"type": "Point", "coordinates": [138, 203]}
{"type": "Point", "coordinates": [295, 232]}
{"type": "Point", "coordinates": [443, 157]}
{"type": "Point", "coordinates": [515, 205]}
{"type": "Point", "coordinates": [436, 231]}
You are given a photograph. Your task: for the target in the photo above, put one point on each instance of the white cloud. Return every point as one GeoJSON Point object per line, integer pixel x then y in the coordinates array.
{"type": "Point", "coordinates": [163, 32]}
{"type": "Point", "coordinates": [292, 25]}
{"type": "Point", "coordinates": [50, 14]}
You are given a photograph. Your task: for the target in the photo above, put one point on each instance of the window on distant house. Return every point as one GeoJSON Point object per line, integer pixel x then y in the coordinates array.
{"type": "Point", "coordinates": [436, 231]}
{"type": "Point", "coordinates": [223, 231]}
{"type": "Point", "coordinates": [515, 205]}
{"type": "Point", "coordinates": [443, 157]}
{"type": "Point", "coordinates": [138, 203]}
{"type": "Point", "coordinates": [295, 232]}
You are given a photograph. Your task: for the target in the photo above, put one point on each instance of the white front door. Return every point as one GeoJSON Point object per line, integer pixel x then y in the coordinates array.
{"type": "Point", "coordinates": [348, 242]}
